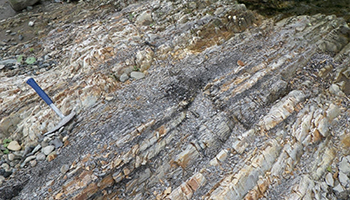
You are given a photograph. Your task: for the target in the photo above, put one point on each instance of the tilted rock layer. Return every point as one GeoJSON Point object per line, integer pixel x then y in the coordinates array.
{"type": "Point", "coordinates": [233, 106]}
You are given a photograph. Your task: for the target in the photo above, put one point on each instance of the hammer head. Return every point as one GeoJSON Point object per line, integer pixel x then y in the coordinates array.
{"type": "Point", "coordinates": [63, 122]}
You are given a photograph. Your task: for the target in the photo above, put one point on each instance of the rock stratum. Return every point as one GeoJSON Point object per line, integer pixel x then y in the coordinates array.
{"type": "Point", "coordinates": [230, 105]}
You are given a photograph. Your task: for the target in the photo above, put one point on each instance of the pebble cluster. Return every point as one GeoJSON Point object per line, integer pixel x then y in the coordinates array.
{"type": "Point", "coordinates": [180, 100]}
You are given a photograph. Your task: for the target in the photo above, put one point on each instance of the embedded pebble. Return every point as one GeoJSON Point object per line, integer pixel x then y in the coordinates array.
{"type": "Point", "coordinates": [329, 179]}
{"type": "Point", "coordinates": [123, 77]}
{"type": "Point", "coordinates": [338, 188]}
{"type": "Point", "coordinates": [344, 165]}
{"type": "Point", "coordinates": [51, 156]}
{"type": "Point", "coordinates": [36, 149]}
{"type": "Point", "coordinates": [5, 166]}
{"type": "Point", "coordinates": [137, 75]}
{"type": "Point", "coordinates": [48, 149]}
{"type": "Point", "coordinates": [343, 179]}
{"type": "Point", "coordinates": [11, 157]}
{"type": "Point", "coordinates": [57, 143]}
{"type": "Point", "coordinates": [14, 146]}
{"type": "Point", "coordinates": [32, 163]}
{"type": "Point", "coordinates": [64, 168]}
{"type": "Point", "coordinates": [40, 156]}
{"type": "Point", "coordinates": [29, 158]}
{"type": "Point", "coordinates": [31, 23]}
{"type": "Point", "coordinates": [144, 18]}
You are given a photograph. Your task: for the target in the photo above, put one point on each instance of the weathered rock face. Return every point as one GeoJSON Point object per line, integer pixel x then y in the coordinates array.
{"type": "Point", "coordinates": [231, 106]}
{"type": "Point", "coordinates": [19, 5]}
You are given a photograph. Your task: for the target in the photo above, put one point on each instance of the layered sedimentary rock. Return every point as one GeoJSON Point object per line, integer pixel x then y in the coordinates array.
{"type": "Point", "coordinates": [232, 106]}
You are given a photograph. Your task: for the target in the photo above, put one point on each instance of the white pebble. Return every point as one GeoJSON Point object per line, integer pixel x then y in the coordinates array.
{"type": "Point", "coordinates": [30, 23]}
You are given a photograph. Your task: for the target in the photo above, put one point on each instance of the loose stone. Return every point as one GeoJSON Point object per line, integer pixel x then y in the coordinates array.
{"type": "Point", "coordinates": [14, 146]}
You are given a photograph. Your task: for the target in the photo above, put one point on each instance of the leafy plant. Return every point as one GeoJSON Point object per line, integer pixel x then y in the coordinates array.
{"type": "Point", "coordinates": [30, 60]}
{"type": "Point", "coordinates": [136, 68]}
{"type": "Point", "coordinates": [329, 168]}
{"type": "Point", "coordinates": [6, 151]}
{"type": "Point", "coordinates": [6, 142]}
{"type": "Point", "coordinates": [131, 16]}
{"type": "Point", "coordinates": [19, 58]}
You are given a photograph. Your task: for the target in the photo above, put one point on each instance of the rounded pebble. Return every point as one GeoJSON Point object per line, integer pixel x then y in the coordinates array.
{"type": "Point", "coordinates": [123, 77]}
{"type": "Point", "coordinates": [51, 156]}
{"type": "Point", "coordinates": [48, 149]}
{"type": "Point", "coordinates": [137, 75]}
{"type": "Point", "coordinates": [40, 156]}
{"type": "Point", "coordinates": [64, 168]}
{"type": "Point", "coordinates": [11, 157]}
{"type": "Point", "coordinates": [329, 179]}
{"type": "Point", "coordinates": [14, 146]}
{"type": "Point", "coordinates": [5, 166]}
{"type": "Point", "coordinates": [33, 163]}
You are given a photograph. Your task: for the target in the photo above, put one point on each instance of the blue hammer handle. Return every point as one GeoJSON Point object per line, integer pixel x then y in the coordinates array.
{"type": "Point", "coordinates": [38, 90]}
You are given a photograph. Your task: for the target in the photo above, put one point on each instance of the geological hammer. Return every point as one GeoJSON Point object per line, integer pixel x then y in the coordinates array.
{"type": "Point", "coordinates": [48, 101]}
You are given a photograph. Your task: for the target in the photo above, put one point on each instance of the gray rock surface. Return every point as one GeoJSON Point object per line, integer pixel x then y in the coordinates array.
{"type": "Point", "coordinates": [19, 5]}
{"type": "Point", "coordinates": [232, 106]}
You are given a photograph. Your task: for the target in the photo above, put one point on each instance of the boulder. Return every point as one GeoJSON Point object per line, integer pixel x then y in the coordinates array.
{"type": "Point", "coordinates": [19, 5]}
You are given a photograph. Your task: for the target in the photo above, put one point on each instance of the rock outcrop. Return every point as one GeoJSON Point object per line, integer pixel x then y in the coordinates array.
{"type": "Point", "coordinates": [231, 106]}
{"type": "Point", "coordinates": [19, 5]}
